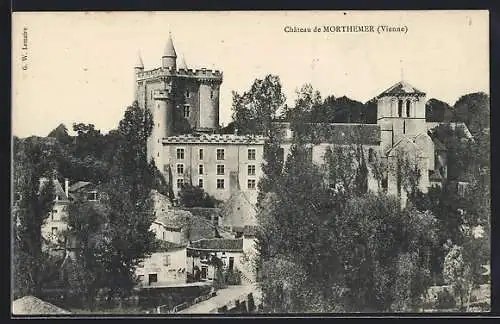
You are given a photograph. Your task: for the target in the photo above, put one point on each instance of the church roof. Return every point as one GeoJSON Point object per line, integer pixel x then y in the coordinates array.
{"type": "Point", "coordinates": [343, 133]}
{"type": "Point", "coordinates": [401, 88]}
{"type": "Point", "coordinates": [169, 47]}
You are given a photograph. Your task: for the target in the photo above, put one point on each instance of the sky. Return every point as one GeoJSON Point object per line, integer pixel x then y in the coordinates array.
{"type": "Point", "coordinates": [79, 65]}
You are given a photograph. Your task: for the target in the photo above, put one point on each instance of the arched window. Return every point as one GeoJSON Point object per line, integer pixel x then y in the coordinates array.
{"type": "Point", "coordinates": [400, 108]}
{"type": "Point", "coordinates": [408, 104]}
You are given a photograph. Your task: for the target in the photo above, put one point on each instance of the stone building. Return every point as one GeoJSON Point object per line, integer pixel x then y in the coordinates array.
{"type": "Point", "coordinates": [224, 165]}
{"type": "Point", "coordinates": [220, 164]}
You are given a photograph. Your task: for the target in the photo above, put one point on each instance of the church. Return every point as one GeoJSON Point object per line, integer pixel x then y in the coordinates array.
{"type": "Point", "coordinates": [225, 165]}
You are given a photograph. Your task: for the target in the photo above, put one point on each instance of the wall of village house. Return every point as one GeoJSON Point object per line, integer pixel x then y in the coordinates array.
{"type": "Point", "coordinates": [166, 235]}
{"type": "Point", "coordinates": [224, 256]}
{"type": "Point", "coordinates": [235, 163]}
{"type": "Point", "coordinates": [167, 270]}
{"type": "Point", "coordinates": [56, 221]}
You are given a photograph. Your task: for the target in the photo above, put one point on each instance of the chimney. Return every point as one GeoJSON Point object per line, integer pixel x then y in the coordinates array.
{"type": "Point", "coordinates": [66, 187]}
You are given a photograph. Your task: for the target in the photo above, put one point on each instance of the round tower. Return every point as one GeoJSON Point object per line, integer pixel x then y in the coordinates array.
{"type": "Point", "coordinates": [169, 58]}
{"type": "Point", "coordinates": [138, 67]}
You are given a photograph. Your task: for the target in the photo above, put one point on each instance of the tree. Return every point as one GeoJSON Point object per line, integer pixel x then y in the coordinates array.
{"type": "Point", "coordinates": [254, 111]}
{"type": "Point", "coordinates": [33, 160]}
{"type": "Point", "coordinates": [191, 196]}
{"type": "Point", "coordinates": [438, 111]}
{"type": "Point", "coordinates": [474, 110]}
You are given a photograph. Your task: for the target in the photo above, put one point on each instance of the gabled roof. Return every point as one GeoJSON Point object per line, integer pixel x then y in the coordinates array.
{"type": "Point", "coordinates": [219, 245]}
{"type": "Point", "coordinates": [78, 185]}
{"type": "Point", "coordinates": [401, 88]}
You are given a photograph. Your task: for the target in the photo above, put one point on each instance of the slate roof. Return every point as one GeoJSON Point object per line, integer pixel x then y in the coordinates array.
{"type": "Point", "coordinates": [343, 133]}
{"type": "Point", "coordinates": [220, 245]}
{"type": "Point", "coordinates": [30, 305]}
{"type": "Point", "coordinates": [401, 88]}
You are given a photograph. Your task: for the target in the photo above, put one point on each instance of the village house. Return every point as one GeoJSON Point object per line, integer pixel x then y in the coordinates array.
{"type": "Point", "coordinates": [200, 256]}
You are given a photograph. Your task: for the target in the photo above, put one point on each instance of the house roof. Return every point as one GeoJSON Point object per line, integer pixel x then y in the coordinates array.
{"type": "Point", "coordinates": [247, 230]}
{"type": "Point", "coordinates": [30, 305]}
{"type": "Point", "coordinates": [57, 187]}
{"type": "Point", "coordinates": [343, 133]}
{"type": "Point", "coordinates": [401, 88]}
{"type": "Point", "coordinates": [78, 185]}
{"type": "Point", "coordinates": [168, 246]}
{"type": "Point", "coordinates": [220, 245]}
{"type": "Point", "coordinates": [400, 143]}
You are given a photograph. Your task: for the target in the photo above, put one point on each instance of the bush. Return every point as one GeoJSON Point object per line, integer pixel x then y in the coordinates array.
{"type": "Point", "coordinates": [233, 277]}
{"type": "Point", "coordinates": [445, 300]}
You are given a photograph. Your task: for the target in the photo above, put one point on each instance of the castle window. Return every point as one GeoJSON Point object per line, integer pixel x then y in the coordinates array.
{"type": "Point", "coordinates": [187, 111]}
{"type": "Point", "coordinates": [180, 168]}
{"type": "Point", "coordinates": [408, 104]}
{"type": "Point", "coordinates": [220, 169]}
{"type": "Point", "coordinates": [251, 154]}
{"type": "Point", "coordinates": [200, 183]}
{"type": "Point", "coordinates": [201, 154]}
{"type": "Point", "coordinates": [180, 183]}
{"type": "Point", "coordinates": [251, 170]}
{"type": "Point", "coordinates": [400, 108]}
{"type": "Point", "coordinates": [404, 126]}
{"type": "Point", "coordinates": [220, 183]}
{"type": "Point", "coordinates": [211, 94]}
{"type": "Point", "coordinates": [200, 169]}
{"type": "Point", "coordinates": [370, 155]}
{"type": "Point", "coordinates": [220, 154]}
{"type": "Point", "coordinates": [187, 93]}
{"type": "Point", "coordinates": [167, 260]}
{"type": "Point", "coordinates": [54, 230]}
{"type": "Point", "coordinates": [158, 154]}
{"type": "Point", "coordinates": [180, 154]}
{"type": "Point", "coordinates": [251, 184]}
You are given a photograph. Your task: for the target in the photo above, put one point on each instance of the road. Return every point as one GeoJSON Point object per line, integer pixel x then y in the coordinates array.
{"type": "Point", "coordinates": [223, 297]}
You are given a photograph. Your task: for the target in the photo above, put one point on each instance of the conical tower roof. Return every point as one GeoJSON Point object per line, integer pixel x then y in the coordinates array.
{"type": "Point", "coordinates": [182, 64]}
{"type": "Point", "coordinates": [169, 47]}
{"type": "Point", "coordinates": [139, 63]}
